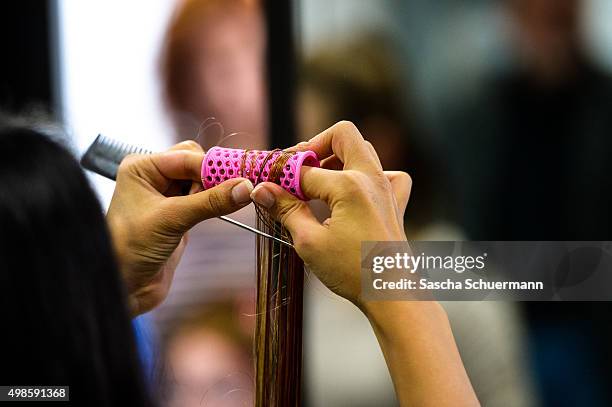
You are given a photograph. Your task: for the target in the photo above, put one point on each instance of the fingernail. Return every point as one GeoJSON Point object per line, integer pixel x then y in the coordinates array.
{"type": "Point", "coordinates": [263, 197]}
{"type": "Point", "coordinates": [241, 193]}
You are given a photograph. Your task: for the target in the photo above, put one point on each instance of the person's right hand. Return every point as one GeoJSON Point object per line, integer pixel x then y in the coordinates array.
{"type": "Point", "coordinates": [367, 204]}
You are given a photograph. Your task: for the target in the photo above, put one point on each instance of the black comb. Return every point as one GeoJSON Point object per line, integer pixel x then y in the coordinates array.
{"type": "Point", "coordinates": [105, 154]}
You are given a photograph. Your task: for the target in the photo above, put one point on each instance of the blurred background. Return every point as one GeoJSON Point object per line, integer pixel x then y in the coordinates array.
{"type": "Point", "coordinates": [501, 111]}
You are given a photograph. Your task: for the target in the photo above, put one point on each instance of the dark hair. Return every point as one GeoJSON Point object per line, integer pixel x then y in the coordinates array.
{"type": "Point", "coordinates": [63, 310]}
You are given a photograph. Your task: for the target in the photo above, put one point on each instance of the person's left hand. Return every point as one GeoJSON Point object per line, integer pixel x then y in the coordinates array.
{"type": "Point", "coordinates": [149, 217]}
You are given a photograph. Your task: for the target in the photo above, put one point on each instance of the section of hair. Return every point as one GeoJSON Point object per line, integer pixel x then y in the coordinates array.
{"type": "Point", "coordinates": [278, 331]}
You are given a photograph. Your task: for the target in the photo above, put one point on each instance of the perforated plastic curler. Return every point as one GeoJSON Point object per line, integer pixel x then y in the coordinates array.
{"type": "Point", "coordinates": [221, 164]}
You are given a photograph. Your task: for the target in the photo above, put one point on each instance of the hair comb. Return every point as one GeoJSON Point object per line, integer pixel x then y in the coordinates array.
{"type": "Point", "coordinates": [105, 155]}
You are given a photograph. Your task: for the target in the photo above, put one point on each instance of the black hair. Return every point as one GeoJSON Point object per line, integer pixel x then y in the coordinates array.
{"type": "Point", "coordinates": [63, 307]}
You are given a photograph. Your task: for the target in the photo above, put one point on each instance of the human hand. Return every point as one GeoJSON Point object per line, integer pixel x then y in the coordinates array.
{"type": "Point", "coordinates": [367, 204]}
{"type": "Point", "coordinates": [149, 217]}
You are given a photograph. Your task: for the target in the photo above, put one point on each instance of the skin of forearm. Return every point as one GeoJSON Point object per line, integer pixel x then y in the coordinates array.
{"type": "Point", "coordinates": [421, 354]}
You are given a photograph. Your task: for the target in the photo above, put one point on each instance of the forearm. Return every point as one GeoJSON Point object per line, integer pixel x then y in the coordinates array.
{"type": "Point", "coordinates": [421, 353]}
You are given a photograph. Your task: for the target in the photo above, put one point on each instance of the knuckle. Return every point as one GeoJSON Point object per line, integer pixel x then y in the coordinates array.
{"type": "Point", "coordinates": [347, 126]}
{"type": "Point", "coordinates": [128, 162]}
{"type": "Point", "coordinates": [405, 178]}
{"type": "Point", "coordinates": [346, 133]}
{"type": "Point", "coordinates": [216, 204]}
{"type": "Point", "coordinates": [380, 178]}
{"type": "Point", "coordinates": [284, 211]}
{"type": "Point", "coordinates": [381, 184]}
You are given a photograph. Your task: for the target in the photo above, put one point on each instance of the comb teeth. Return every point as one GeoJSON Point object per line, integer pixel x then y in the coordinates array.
{"type": "Point", "coordinates": [118, 148]}
{"type": "Point", "coordinates": [105, 155]}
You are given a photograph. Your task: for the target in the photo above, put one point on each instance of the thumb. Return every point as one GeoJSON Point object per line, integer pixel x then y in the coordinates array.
{"type": "Point", "coordinates": [291, 212]}
{"type": "Point", "coordinates": [223, 199]}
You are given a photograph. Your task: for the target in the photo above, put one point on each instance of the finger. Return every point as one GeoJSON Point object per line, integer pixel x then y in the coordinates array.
{"type": "Point", "coordinates": [190, 145]}
{"type": "Point", "coordinates": [320, 183]}
{"type": "Point", "coordinates": [223, 199]}
{"type": "Point", "coordinates": [291, 212]}
{"type": "Point", "coordinates": [332, 163]}
{"type": "Point", "coordinates": [179, 164]}
{"type": "Point", "coordinates": [346, 142]}
{"type": "Point", "coordinates": [401, 183]}
{"type": "Point", "coordinates": [374, 154]}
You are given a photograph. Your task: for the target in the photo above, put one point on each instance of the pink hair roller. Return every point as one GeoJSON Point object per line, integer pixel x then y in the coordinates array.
{"type": "Point", "coordinates": [221, 164]}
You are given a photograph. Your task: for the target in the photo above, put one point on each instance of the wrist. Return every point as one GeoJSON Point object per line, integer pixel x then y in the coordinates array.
{"type": "Point", "coordinates": [394, 316]}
